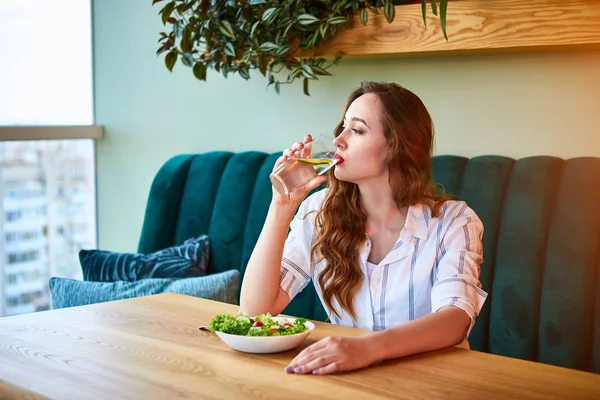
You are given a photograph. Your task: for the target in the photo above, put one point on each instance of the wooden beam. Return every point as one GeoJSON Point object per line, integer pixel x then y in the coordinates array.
{"type": "Point", "coordinates": [474, 27]}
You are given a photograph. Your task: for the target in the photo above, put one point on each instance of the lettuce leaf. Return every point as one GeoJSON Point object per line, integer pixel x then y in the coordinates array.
{"type": "Point", "coordinates": [228, 324]}
{"type": "Point", "coordinates": [242, 325]}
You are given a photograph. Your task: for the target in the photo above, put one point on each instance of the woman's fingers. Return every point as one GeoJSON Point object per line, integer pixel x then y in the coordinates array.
{"type": "Point", "coordinates": [315, 182]}
{"type": "Point", "coordinates": [297, 149]}
{"type": "Point", "coordinates": [306, 148]}
{"type": "Point", "coordinates": [279, 161]}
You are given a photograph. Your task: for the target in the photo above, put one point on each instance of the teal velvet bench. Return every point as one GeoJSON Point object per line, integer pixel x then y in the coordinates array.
{"type": "Point", "coordinates": [541, 240]}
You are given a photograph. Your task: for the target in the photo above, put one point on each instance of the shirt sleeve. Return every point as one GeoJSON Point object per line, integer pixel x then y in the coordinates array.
{"type": "Point", "coordinates": [457, 277]}
{"type": "Point", "coordinates": [295, 272]}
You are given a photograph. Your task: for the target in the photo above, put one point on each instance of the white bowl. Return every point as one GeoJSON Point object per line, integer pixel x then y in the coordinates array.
{"type": "Point", "coordinates": [266, 344]}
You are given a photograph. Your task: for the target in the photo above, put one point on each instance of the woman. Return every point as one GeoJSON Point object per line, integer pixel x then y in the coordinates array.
{"type": "Point", "coordinates": [384, 251]}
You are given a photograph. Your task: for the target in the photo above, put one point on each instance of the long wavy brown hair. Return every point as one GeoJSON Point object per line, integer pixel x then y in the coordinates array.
{"type": "Point", "coordinates": [340, 222]}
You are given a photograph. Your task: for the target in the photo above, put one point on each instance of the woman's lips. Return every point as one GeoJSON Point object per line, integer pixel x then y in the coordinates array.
{"type": "Point", "coordinates": [339, 158]}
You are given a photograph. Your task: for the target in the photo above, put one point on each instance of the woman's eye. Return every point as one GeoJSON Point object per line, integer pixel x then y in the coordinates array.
{"type": "Point", "coordinates": [357, 131]}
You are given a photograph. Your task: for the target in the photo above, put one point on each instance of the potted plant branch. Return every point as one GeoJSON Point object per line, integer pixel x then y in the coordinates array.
{"type": "Point", "coordinates": [237, 36]}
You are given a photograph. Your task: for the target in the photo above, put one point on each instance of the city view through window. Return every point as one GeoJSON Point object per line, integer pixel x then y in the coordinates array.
{"type": "Point", "coordinates": [47, 204]}
{"type": "Point", "coordinates": [47, 187]}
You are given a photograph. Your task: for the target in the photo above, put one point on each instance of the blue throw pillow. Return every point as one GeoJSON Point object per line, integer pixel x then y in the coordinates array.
{"type": "Point", "coordinates": [222, 287]}
{"type": "Point", "coordinates": [189, 259]}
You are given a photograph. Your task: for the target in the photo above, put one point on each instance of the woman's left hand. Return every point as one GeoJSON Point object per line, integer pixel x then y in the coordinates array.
{"type": "Point", "coordinates": [334, 354]}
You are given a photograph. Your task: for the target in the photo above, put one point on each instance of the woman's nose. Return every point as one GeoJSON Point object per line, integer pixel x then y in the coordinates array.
{"type": "Point", "coordinates": [339, 142]}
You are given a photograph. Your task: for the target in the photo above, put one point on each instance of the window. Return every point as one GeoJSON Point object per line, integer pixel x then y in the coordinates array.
{"type": "Point", "coordinates": [46, 147]}
{"type": "Point", "coordinates": [12, 216]}
{"type": "Point", "coordinates": [23, 257]}
{"type": "Point", "coordinates": [56, 91]}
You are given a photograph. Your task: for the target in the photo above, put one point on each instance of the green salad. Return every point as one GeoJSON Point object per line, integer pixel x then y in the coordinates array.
{"type": "Point", "coordinates": [261, 325]}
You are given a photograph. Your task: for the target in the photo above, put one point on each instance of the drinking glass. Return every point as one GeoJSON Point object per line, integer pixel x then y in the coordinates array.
{"type": "Point", "coordinates": [315, 159]}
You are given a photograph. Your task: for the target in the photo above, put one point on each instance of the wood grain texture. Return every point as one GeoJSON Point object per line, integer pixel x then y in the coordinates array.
{"type": "Point", "coordinates": [151, 348]}
{"type": "Point", "coordinates": [474, 27]}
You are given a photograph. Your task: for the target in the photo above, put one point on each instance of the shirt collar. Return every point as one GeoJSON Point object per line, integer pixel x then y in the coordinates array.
{"type": "Point", "coordinates": [417, 221]}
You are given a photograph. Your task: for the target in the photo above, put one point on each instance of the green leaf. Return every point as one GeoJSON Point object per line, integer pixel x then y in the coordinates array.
{"type": "Point", "coordinates": [180, 8]}
{"type": "Point", "coordinates": [177, 30]}
{"type": "Point", "coordinates": [282, 50]}
{"type": "Point", "coordinates": [156, 1]}
{"type": "Point", "coordinates": [338, 57]}
{"type": "Point", "coordinates": [170, 60]}
{"type": "Point", "coordinates": [434, 6]}
{"type": "Point", "coordinates": [229, 50]}
{"type": "Point", "coordinates": [162, 49]}
{"type": "Point", "coordinates": [253, 29]}
{"type": "Point", "coordinates": [364, 15]}
{"type": "Point", "coordinates": [323, 30]}
{"type": "Point", "coordinates": [424, 11]}
{"type": "Point", "coordinates": [188, 6]}
{"type": "Point", "coordinates": [337, 7]}
{"type": "Point", "coordinates": [268, 46]}
{"type": "Point", "coordinates": [443, 13]}
{"type": "Point", "coordinates": [287, 29]}
{"type": "Point", "coordinates": [187, 60]}
{"type": "Point", "coordinates": [199, 71]}
{"type": "Point", "coordinates": [295, 73]}
{"type": "Point", "coordinates": [389, 11]}
{"type": "Point", "coordinates": [268, 12]}
{"type": "Point", "coordinates": [283, 22]}
{"type": "Point", "coordinates": [313, 41]}
{"type": "Point", "coordinates": [185, 40]}
{"type": "Point", "coordinates": [226, 29]}
{"type": "Point", "coordinates": [307, 19]}
{"type": "Point", "coordinates": [244, 73]}
{"type": "Point", "coordinates": [320, 71]}
{"type": "Point", "coordinates": [277, 87]}
{"type": "Point", "coordinates": [337, 20]}
{"type": "Point", "coordinates": [166, 11]}
{"type": "Point", "coordinates": [307, 71]}
{"type": "Point", "coordinates": [247, 56]}
{"type": "Point", "coordinates": [305, 87]}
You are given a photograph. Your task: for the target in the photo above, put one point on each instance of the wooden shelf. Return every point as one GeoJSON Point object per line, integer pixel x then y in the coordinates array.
{"type": "Point", "coordinates": [474, 27]}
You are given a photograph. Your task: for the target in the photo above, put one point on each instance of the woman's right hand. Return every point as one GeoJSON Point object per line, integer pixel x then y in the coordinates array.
{"type": "Point", "coordinates": [298, 149]}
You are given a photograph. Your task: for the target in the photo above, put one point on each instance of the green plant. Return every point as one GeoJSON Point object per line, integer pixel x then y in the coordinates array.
{"type": "Point", "coordinates": [237, 36]}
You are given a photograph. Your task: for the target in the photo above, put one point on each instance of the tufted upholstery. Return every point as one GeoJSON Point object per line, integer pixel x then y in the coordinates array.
{"type": "Point", "coordinates": [541, 260]}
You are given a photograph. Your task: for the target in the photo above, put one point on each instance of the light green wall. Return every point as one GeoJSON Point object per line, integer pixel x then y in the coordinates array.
{"type": "Point", "coordinates": [514, 106]}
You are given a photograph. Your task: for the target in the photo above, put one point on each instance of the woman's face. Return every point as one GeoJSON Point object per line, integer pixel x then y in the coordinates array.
{"type": "Point", "coordinates": [362, 144]}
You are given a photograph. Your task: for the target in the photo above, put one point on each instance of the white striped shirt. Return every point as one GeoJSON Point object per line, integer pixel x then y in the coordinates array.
{"type": "Point", "coordinates": [434, 263]}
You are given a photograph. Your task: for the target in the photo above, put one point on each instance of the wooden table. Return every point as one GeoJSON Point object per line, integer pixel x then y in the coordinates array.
{"type": "Point", "coordinates": [151, 348]}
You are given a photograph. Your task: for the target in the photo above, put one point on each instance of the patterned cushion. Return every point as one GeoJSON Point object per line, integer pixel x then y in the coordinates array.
{"type": "Point", "coordinates": [222, 287]}
{"type": "Point", "coordinates": [189, 259]}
